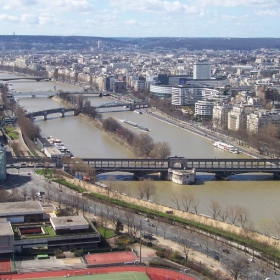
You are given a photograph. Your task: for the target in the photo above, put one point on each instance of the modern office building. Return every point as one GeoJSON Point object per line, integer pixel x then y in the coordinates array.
{"type": "Point", "coordinates": [2, 163]}
{"type": "Point", "coordinates": [204, 108]}
{"type": "Point", "coordinates": [201, 71]}
{"type": "Point", "coordinates": [26, 227]}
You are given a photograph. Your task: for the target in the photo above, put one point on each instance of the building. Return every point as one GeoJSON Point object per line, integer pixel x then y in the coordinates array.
{"type": "Point", "coordinates": [220, 115]}
{"type": "Point", "coordinates": [202, 71]}
{"type": "Point", "coordinates": [3, 171]}
{"type": "Point", "coordinates": [25, 227]}
{"type": "Point", "coordinates": [162, 91]}
{"type": "Point", "coordinates": [262, 118]}
{"type": "Point", "coordinates": [204, 108]}
{"type": "Point", "coordinates": [237, 118]}
{"type": "Point", "coordinates": [189, 95]}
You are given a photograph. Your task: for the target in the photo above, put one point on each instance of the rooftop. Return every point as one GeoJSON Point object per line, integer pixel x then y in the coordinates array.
{"type": "Point", "coordinates": [20, 208]}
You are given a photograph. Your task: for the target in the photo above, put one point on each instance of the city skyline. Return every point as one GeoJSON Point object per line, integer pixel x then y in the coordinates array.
{"type": "Point", "coordinates": [145, 18]}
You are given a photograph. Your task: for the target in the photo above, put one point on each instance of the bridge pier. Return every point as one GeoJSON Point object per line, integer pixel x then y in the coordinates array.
{"type": "Point", "coordinates": [45, 116]}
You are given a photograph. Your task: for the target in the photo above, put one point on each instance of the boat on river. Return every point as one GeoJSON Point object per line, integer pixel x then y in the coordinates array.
{"type": "Point", "coordinates": [226, 147]}
{"type": "Point", "coordinates": [130, 123]}
{"type": "Point", "coordinates": [142, 127]}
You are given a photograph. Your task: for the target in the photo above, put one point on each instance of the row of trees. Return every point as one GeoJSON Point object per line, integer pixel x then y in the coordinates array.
{"type": "Point", "coordinates": [142, 144]}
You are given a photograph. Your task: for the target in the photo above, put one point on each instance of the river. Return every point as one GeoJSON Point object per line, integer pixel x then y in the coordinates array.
{"type": "Point", "coordinates": [256, 192]}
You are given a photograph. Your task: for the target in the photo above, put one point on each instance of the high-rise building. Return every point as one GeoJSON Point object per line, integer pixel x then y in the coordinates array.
{"type": "Point", "coordinates": [2, 163]}
{"type": "Point", "coordinates": [201, 71]}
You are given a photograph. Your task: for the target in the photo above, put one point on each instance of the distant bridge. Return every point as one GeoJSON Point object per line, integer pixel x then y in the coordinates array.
{"type": "Point", "coordinates": [131, 106]}
{"type": "Point", "coordinates": [222, 168]}
{"type": "Point", "coordinates": [26, 78]}
{"type": "Point", "coordinates": [45, 113]}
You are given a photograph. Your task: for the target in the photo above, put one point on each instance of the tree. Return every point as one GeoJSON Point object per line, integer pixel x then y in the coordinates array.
{"type": "Point", "coordinates": [148, 187]}
{"type": "Point", "coordinates": [215, 209]}
{"type": "Point", "coordinates": [143, 145]}
{"type": "Point", "coordinates": [237, 267]}
{"type": "Point", "coordinates": [161, 150]}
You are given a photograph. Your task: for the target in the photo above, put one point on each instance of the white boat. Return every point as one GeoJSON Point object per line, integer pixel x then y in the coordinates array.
{"type": "Point", "coordinates": [226, 147]}
{"type": "Point", "coordinates": [138, 112]}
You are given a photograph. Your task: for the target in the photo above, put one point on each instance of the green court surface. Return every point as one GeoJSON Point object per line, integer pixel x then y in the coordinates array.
{"type": "Point", "coordinates": [108, 276]}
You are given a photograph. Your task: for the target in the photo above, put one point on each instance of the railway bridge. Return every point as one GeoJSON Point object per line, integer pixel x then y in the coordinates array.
{"type": "Point", "coordinates": [46, 112]}
{"type": "Point", "coordinates": [222, 168]}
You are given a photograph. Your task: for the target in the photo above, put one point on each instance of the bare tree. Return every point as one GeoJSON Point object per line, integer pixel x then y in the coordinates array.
{"type": "Point", "coordinates": [233, 214]}
{"type": "Point", "coordinates": [143, 144]}
{"type": "Point", "coordinates": [243, 216]}
{"type": "Point", "coordinates": [194, 204]}
{"type": "Point", "coordinates": [176, 200]}
{"type": "Point", "coordinates": [164, 228]}
{"type": "Point", "coordinates": [237, 267]}
{"type": "Point", "coordinates": [186, 244]}
{"type": "Point", "coordinates": [161, 150]}
{"type": "Point", "coordinates": [224, 214]}
{"type": "Point", "coordinates": [187, 201]}
{"type": "Point", "coordinates": [215, 209]}
{"type": "Point", "coordinates": [33, 193]}
{"type": "Point", "coordinates": [148, 187]}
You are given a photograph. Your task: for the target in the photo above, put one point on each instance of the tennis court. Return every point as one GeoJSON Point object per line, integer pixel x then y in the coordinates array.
{"type": "Point", "coordinates": [110, 258]}
{"type": "Point", "coordinates": [5, 265]}
{"type": "Point", "coordinates": [109, 276]}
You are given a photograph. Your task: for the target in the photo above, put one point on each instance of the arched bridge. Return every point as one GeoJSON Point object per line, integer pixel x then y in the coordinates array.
{"type": "Point", "coordinates": [27, 78]}
{"type": "Point", "coordinates": [46, 112]}
{"type": "Point", "coordinates": [220, 167]}
{"type": "Point", "coordinates": [131, 106]}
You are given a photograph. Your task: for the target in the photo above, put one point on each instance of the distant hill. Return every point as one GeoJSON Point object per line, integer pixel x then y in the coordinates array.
{"type": "Point", "coordinates": [82, 42]}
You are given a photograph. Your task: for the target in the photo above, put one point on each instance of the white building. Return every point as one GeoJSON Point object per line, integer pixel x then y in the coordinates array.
{"type": "Point", "coordinates": [201, 70]}
{"type": "Point", "coordinates": [220, 115]}
{"type": "Point", "coordinates": [204, 108]}
{"type": "Point", "coordinates": [237, 118]}
{"type": "Point", "coordinates": [262, 118]}
{"type": "Point", "coordinates": [189, 95]}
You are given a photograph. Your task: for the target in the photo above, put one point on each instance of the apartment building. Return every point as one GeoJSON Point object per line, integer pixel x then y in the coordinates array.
{"type": "Point", "coordinates": [261, 118]}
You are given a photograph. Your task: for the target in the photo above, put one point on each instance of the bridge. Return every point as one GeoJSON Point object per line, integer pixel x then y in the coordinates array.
{"type": "Point", "coordinates": [26, 78]}
{"type": "Point", "coordinates": [222, 168]}
{"type": "Point", "coordinates": [46, 112]}
{"type": "Point", "coordinates": [131, 106]}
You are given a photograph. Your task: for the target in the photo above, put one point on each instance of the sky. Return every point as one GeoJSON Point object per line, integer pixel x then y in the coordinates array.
{"type": "Point", "coordinates": [141, 18]}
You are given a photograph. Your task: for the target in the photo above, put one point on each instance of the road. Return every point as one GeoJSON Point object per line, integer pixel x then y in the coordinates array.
{"type": "Point", "coordinates": [210, 251]}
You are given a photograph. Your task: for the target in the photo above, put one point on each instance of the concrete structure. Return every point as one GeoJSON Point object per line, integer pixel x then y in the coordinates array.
{"type": "Point", "coordinates": [261, 118]}
{"type": "Point", "coordinates": [182, 177]}
{"type": "Point", "coordinates": [2, 163]}
{"type": "Point", "coordinates": [237, 118]}
{"type": "Point", "coordinates": [24, 227]}
{"type": "Point", "coordinates": [220, 115]}
{"type": "Point", "coordinates": [6, 237]}
{"type": "Point", "coordinates": [201, 70]}
{"type": "Point", "coordinates": [204, 108]}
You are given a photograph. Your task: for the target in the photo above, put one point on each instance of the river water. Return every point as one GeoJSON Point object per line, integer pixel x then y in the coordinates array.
{"type": "Point", "coordinates": [256, 192]}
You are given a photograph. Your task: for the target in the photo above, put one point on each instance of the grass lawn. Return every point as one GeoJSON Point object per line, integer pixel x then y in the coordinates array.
{"type": "Point", "coordinates": [11, 132]}
{"type": "Point", "coordinates": [106, 233]}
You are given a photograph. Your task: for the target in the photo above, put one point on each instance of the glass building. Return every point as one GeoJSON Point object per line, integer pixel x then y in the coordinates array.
{"type": "Point", "coordinates": [2, 163]}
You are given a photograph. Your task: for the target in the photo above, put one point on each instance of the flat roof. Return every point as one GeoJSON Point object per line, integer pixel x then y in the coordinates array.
{"type": "Point", "coordinates": [69, 221]}
{"type": "Point", "coordinates": [20, 208]}
{"type": "Point", "coordinates": [5, 227]}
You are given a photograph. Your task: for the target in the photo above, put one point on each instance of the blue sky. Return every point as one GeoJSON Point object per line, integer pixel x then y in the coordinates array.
{"type": "Point", "coordinates": [141, 18]}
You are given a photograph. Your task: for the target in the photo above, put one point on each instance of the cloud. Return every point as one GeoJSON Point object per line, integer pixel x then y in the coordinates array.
{"type": "Point", "coordinates": [237, 3]}
{"type": "Point", "coordinates": [8, 19]}
{"type": "Point", "coordinates": [153, 6]}
{"type": "Point", "coordinates": [29, 19]}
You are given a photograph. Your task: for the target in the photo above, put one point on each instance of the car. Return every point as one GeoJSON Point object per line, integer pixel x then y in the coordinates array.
{"type": "Point", "coordinates": [250, 260]}
{"type": "Point", "coordinates": [217, 258]}
{"type": "Point", "coordinates": [28, 173]}
{"type": "Point", "coordinates": [146, 220]}
{"type": "Point", "coordinates": [226, 251]}
{"type": "Point", "coordinates": [151, 225]}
